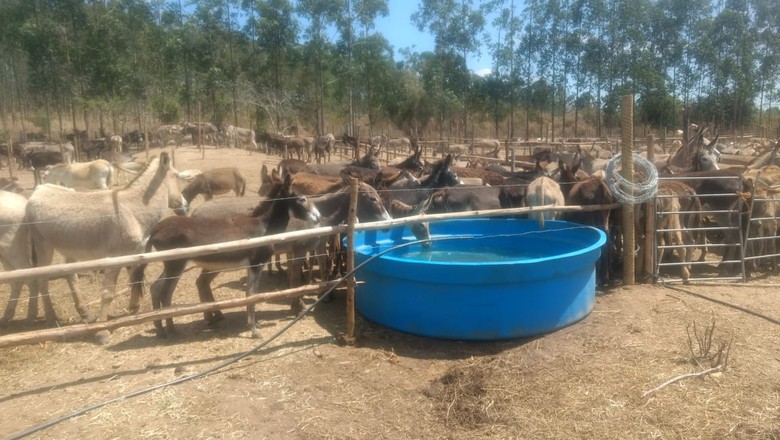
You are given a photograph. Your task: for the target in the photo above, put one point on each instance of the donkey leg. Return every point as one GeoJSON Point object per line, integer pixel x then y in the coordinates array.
{"type": "Point", "coordinates": [279, 262]}
{"type": "Point", "coordinates": [686, 255]}
{"type": "Point", "coordinates": [78, 301]}
{"type": "Point", "coordinates": [48, 306]}
{"type": "Point", "coordinates": [10, 308]}
{"type": "Point", "coordinates": [162, 293]}
{"type": "Point", "coordinates": [32, 304]}
{"type": "Point", "coordinates": [294, 278]}
{"type": "Point", "coordinates": [206, 295]}
{"type": "Point", "coordinates": [254, 274]}
{"type": "Point", "coordinates": [106, 298]}
{"type": "Point", "coordinates": [110, 277]}
{"type": "Point", "coordinates": [136, 275]}
{"type": "Point", "coordinates": [40, 286]}
{"type": "Point", "coordinates": [660, 257]}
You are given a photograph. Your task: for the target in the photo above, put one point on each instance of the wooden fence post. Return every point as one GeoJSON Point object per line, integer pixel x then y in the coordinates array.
{"type": "Point", "coordinates": [649, 218]}
{"type": "Point", "coordinates": [11, 158]}
{"type": "Point", "coordinates": [627, 150]}
{"type": "Point", "coordinates": [349, 337]}
{"type": "Point", "coordinates": [200, 134]}
{"type": "Point", "coordinates": [146, 143]}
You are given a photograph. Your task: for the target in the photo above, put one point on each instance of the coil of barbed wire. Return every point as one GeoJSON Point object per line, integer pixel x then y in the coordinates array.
{"type": "Point", "coordinates": [627, 191]}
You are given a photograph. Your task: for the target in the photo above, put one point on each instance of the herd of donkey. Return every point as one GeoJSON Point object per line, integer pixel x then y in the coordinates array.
{"type": "Point", "coordinates": [78, 201]}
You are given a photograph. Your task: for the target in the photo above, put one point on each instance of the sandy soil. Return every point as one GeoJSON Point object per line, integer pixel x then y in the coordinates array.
{"type": "Point", "coordinates": [584, 381]}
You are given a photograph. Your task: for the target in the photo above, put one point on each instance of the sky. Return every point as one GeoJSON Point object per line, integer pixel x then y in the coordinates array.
{"type": "Point", "coordinates": [398, 29]}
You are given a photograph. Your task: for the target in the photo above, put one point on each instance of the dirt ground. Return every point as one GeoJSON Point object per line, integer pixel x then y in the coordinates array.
{"type": "Point", "coordinates": [585, 381]}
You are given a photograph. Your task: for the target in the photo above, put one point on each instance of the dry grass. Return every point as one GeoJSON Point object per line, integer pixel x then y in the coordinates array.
{"type": "Point", "coordinates": [585, 381]}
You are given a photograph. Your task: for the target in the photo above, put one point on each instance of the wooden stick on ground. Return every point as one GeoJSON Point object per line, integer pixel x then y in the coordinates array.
{"type": "Point", "coordinates": [684, 376]}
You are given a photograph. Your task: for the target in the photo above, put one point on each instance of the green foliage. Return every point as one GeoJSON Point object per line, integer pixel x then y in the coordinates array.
{"type": "Point", "coordinates": [166, 109]}
{"type": "Point", "coordinates": [318, 64]}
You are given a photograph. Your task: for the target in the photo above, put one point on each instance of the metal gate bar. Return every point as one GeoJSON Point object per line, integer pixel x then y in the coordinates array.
{"type": "Point", "coordinates": [737, 227]}
{"type": "Point", "coordinates": [753, 227]}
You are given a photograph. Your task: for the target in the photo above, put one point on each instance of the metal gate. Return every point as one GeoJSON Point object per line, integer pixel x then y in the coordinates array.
{"type": "Point", "coordinates": [761, 235]}
{"type": "Point", "coordinates": [730, 225]}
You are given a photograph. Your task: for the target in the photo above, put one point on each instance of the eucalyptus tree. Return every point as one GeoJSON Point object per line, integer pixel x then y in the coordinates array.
{"type": "Point", "coordinates": [277, 32]}
{"type": "Point", "coordinates": [766, 27]}
{"type": "Point", "coordinates": [380, 82]}
{"type": "Point", "coordinates": [362, 13]}
{"type": "Point", "coordinates": [550, 30]}
{"type": "Point", "coordinates": [505, 74]}
{"type": "Point", "coordinates": [13, 63]}
{"type": "Point", "coordinates": [575, 49]}
{"type": "Point", "coordinates": [409, 102]}
{"type": "Point", "coordinates": [529, 50]}
{"type": "Point", "coordinates": [437, 71]}
{"type": "Point", "coordinates": [170, 90]}
{"type": "Point", "coordinates": [596, 51]}
{"type": "Point", "coordinates": [456, 26]}
{"type": "Point", "coordinates": [727, 51]}
{"type": "Point", "coordinates": [319, 14]}
{"type": "Point", "coordinates": [210, 37]}
{"type": "Point", "coordinates": [40, 37]}
{"type": "Point", "coordinates": [632, 67]}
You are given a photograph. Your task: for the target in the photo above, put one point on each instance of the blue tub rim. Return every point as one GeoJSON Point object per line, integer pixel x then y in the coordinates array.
{"type": "Point", "coordinates": [559, 225]}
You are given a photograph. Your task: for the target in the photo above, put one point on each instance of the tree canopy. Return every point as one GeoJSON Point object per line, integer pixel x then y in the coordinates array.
{"type": "Point", "coordinates": [559, 66]}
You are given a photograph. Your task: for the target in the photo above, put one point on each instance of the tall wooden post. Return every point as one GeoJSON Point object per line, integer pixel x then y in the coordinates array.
{"type": "Point", "coordinates": [146, 143]}
{"type": "Point", "coordinates": [11, 157]}
{"type": "Point", "coordinates": [649, 217]}
{"type": "Point", "coordinates": [627, 150]}
{"type": "Point", "coordinates": [349, 338]}
{"type": "Point", "coordinates": [200, 135]}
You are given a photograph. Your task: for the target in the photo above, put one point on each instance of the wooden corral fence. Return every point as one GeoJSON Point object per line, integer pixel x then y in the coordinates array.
{"type": "Point", "coordinates": [130, 260]}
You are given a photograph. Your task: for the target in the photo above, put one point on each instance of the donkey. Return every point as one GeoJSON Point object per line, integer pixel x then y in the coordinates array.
{"type": "Point", "coordinates": [412, 163]}
{"type": "Point", "coordinates": [332, 206]}
{"type": "Point", "coordinates": [11, 185]}
{"type": "Point", "coordinates": [594, 191]}
{"type": "Point", "coordinates": [293, 166]}
{"type": "Point", "coordinates": [695, 156]}
{"type": "Point", "coordinates": [97, 174]}
{"type": "Point", "coordinates": [100, 224]}
{"type": "Point", "coordinates": [335, 209]}
{"type": "Point", "coordinates": [215, 182]}
{"type": "Point", "coordinates": [464, 198]}
{"type": "Point", "coordinates": [323, 147]}
{"type": "Point", "coordinates": [271, 216]}
{"type": "Point", "coordinates": [440, 176]}
{"type": "Point", "coordinates": [678, 211]}
{"type": "Point", "coordinates": [719, 190]}
{"type": "Point", "coordinates": [544, 191]}
{"type": "Point", "coordinates": [15, 252]}
{"type": "Point", "coordinates": [369, 160]}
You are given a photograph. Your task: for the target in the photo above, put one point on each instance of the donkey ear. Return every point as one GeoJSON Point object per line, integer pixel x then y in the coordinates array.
{"type": "Point", "coordinates": [713, 143]}
{"type": "Point", "coordinates": [448, 160]}
{"type": "Point", "coordinates": [576, 164]}
{"type": "Point", "coordinates": [165, 160]}
{"type": "Point", "coordinates": [264, 174]}
{"type": "Point", "coordinates": [423, 206]}
{"type": "Point", "coordinates": [560, 164]}
{"type": "Point", "coordinates": [287, 182]}
{"type": "Point", "coordinates": [345, 175]}
{"type": "Point", "coordinates": [378, 183]}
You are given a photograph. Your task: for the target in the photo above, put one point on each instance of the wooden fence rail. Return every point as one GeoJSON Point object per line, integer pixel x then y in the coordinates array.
{"type": "Point", "coordinates": [76, 330]}
{"type": "Point", "coordinates": [129, 260]}
{"type": "Point", "coordinates": [59, 270]}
